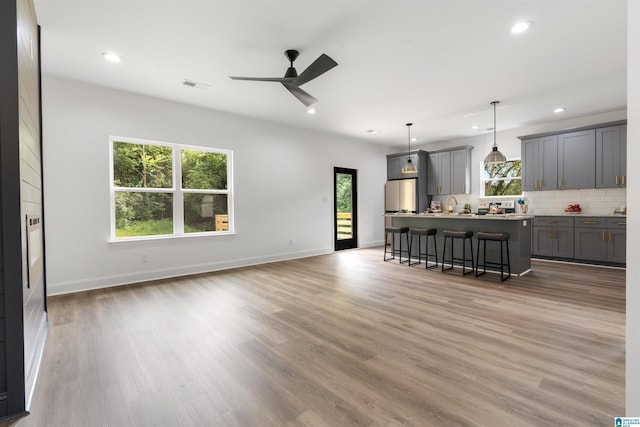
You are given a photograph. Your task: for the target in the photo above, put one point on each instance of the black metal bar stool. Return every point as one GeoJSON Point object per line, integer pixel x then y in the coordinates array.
{"type": "Point", "coordinates": [493, 237]}
{"type": "Point", "coordinates": [453, 235]}
{"type": "Point", "coordinates": [426, 232]}
{"type": "Point", "coordinates": [400, 231]}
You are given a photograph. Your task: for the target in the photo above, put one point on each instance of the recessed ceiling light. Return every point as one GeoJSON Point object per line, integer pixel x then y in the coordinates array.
{"type": "Point", "coordinates": [373, 131]}
{"type": "Point", "coordinates": [559, 110]}
{"type": "Point", "coordinates": [475, 127]}
{"type": "Point", "coordinates": [111, 57]}
{"type": "Point", "coordinates": [311, 111]}
{"type": "Point", "coordinates": [520, 27]}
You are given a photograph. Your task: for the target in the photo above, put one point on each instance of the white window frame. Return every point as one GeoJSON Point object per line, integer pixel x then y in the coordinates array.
{"type": "Point", "coordinates": [507, 197]}
{"type": "Point", "coordinates": [176, 189]}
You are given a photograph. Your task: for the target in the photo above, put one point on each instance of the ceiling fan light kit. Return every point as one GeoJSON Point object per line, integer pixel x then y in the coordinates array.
{"type": "Point", "coordinates": [495, 157]}
{"type": "Point", "coordinates": [292, 81]}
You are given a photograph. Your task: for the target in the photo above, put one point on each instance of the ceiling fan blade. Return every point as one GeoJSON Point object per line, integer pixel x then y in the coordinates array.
{"type": "Point", "coordinates": [302, 96]}
{"type": "Point", "coordinates": [264, 79]}
{"type": "Point", "coordinates": [320, 66]}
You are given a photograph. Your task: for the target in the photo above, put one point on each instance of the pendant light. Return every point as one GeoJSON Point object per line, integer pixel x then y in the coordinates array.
{"type": "Point", "coordinates": [409, 167]}
{"type": "Point", "coordinates": [495, 157]}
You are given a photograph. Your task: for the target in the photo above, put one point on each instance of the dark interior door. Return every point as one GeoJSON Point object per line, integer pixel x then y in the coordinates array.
{"type": "Point", "coordinates": [345, 212]}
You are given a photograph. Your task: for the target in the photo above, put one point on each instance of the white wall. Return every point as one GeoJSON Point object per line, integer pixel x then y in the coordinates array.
{"type": "Point", "coordinates": [283, 180]}
{"type": "Point", "coordinates": [633, 220]}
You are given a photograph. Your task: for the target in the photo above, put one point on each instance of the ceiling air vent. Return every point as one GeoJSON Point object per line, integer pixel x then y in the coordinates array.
{"type": "Point", "coordinates": [197, 85]}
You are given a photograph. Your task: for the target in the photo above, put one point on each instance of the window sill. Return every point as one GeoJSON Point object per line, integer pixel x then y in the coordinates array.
{"type": "Point", "coordinates": [170, 237]}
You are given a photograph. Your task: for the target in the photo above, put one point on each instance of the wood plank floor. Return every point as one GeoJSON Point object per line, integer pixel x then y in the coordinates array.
{"type": "Point", "coordinates": [339, 340]}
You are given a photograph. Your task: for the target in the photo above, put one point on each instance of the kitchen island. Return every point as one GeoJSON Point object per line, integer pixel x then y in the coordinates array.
{"type": "Point", "coordinates": [517, 225]}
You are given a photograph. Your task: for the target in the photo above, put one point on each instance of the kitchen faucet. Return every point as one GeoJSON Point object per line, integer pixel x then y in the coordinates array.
{"type": "Point", "coordinates": [449, 209]}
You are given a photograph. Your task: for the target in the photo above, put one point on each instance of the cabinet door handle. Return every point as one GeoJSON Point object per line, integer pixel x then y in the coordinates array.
{"type": "Point", "coordinates": [551, 221]}
{"type": "Point", "coordinates": [590, 222]}
{"type": "Point", "coordinates": [603, 235]}
{"type": "Point", "coordinates": [622, 179]}
{"type": "Point", "coordinates": [609, 236]}
{"type": "Point", "coordinates": [549, 233]}
{"type": "Point", "coordinates": [622, 223]}
{"type": "Point", "coordinates": [617, 180]}
{"type": "Point", "coordinates": [559, 183]}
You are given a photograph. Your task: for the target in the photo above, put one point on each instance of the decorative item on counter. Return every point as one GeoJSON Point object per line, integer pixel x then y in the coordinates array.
{"type": "Point", "coordinates": [622, 210]}
{"type": "Point", "coordinates": [435, 206]}
{"type": "Point", "coordinates": [524, 206]}
{"type": "Point", "coordinates": [467, 208]}
{"type": "Point", "coordinates": [575, 208]}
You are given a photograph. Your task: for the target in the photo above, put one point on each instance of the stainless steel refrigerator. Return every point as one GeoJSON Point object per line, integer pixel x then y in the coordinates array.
{"type": "Point", "coordinates": [401, 195]}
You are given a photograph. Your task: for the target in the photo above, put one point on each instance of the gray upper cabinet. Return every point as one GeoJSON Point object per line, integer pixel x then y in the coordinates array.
{"type": "Point", "coordinates": [611, 156]}
{"type": "Point", "coordinates": [460, 173]}
{"type": "Point", "coordinates": [540, 163]}
{"type": "Point", "coordinates": [577, 160]}
{"type": "Point", "coordinates": [396, 162]}
{"type": "Point", "coordinates": [449, 171]}
{"type": "Point", "coordinates": [588, 157]}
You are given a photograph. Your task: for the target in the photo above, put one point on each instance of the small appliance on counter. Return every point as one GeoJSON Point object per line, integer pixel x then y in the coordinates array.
{"type": "Point", "coordinates": [496, 208]}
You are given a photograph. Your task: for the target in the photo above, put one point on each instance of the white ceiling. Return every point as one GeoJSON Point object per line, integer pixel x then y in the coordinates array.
{"type": "Point", "coordinates": [437, 64]}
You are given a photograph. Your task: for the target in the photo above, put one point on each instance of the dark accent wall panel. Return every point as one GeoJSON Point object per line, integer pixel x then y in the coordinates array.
{"type": "Point", "coordinates": [20, 194]}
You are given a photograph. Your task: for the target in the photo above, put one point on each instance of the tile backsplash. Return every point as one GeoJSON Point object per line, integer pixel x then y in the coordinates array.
{"type": "Point", "coordinates": [592, 201]}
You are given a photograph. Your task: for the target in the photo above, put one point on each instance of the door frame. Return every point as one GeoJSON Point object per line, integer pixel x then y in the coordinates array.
{"type": "Point", "coordinates": [353, 241]}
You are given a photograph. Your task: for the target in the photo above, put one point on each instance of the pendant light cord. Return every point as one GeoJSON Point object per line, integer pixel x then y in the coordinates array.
{"type": "Point", "coordinates": [494, 122]}
{"type": "Point", "coordinates": [409, 136]}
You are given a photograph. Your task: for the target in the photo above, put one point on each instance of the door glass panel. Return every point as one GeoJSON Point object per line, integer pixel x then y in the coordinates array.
{"type": "Point", "coordinates": [344, 211]}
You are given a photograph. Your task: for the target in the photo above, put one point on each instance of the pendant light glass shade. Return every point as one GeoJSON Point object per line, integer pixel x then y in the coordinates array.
{"type": "Point", "coordinates": [409, 167]}
{"type": "Point", "coordinates": [495, 157]}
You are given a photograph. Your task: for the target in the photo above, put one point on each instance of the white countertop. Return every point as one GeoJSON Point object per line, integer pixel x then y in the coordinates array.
{"type": "Point", "coordinates": [582, 214]}
{"type": "Point", "coordinates": [500, 217]}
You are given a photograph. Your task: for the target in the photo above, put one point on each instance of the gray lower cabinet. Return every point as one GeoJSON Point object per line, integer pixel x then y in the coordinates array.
{"type": "Point", "coordinates": [577, 160]}
{"type": "Point", "coordinates": [553, 237]}
{"type": "Point", "coordinates": [601, 239]}
{"type": "Point", "coordinates": [611, 157]}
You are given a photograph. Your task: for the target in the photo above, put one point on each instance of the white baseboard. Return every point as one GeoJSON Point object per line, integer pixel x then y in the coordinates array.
{"type": "Point", "coordinates": [60, 288]}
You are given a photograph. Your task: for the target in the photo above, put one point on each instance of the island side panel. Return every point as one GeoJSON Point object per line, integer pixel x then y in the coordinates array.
{"type": "Point", "coordinates": [519, 242]}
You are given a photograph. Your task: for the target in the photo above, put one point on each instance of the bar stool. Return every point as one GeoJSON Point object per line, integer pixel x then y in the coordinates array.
{"type": "Point", "coordinates": [493, 237]}
{"type": "Point", "coordinates": [400, 231]}
{"type": "Point", "coordinates": [426, 232]}
{"type": "Point", "coordinates": [453, 235]}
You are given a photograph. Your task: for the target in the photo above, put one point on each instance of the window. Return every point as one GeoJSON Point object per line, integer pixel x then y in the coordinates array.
{"type": "Point", "coordinates": [160, 189]}
{"type": "Point", "coordinates": [502, 180]}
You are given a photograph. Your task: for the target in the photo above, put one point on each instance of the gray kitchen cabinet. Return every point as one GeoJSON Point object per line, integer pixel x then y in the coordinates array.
{"type": "Point", "coordinates": [450, 171]}
{"type": "Point", "coordinates": [553, 237]}
{"type": "Point", "coordinates": [460, 171]}
{"type": "Point", "coordinates": [590, 239]}
{"type": "Point", "coordinates": [439, 181]}
{"type": "Point", "coordinates": [396, 162]}
{"type": "Point", "coordinates": [617, 240]}
{"type": "Point", "coordinates": [601, 239]}
{"type": "Point", "coordinates": [540, 163]}
{"type": "Point", "coordinates": [611, 156]}
{"type": "Point", "coordinates": [577, 160]}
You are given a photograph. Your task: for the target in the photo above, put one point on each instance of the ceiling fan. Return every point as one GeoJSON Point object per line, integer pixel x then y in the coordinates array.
{"type": "Point", "coordinates": [292, 81]}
